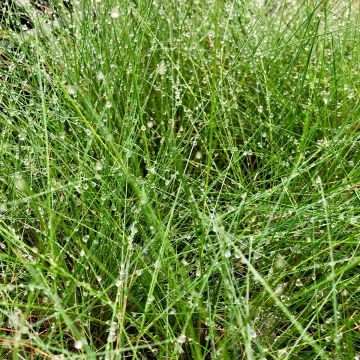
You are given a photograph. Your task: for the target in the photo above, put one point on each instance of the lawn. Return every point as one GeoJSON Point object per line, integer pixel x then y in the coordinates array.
{"type": "Point", "coordinates": [180, 180]}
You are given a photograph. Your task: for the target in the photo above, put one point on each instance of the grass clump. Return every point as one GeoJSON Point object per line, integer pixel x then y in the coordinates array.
{"type": "Point", "coordinates": [180, 180]}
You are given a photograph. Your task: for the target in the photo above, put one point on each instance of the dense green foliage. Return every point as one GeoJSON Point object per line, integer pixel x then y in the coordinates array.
{"type": "Point", "coordinates": [181, 180]}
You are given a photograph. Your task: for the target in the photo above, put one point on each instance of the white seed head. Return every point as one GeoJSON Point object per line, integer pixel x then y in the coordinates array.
{"type": "Point", "coordinates": [139, 272]}
{"type": "Point", "coordinates": [161, 68]}
{"type": "Point", "coordinates": [71, 90]}
{"type": "Point", "coordinates": [280, 262]}
{"type": "Point", "coordinates": [99, 166]}
{"type": "Point", "coordinates": [100, 76]}
{"type": "Point", "coordinates": [78, 344]}
{"type": "Point", "coordinates": [20, 184]}
{"type": "Point", "coordinates": [184, 262]}
{"type": "Point", "coordinates": [252, 333]}
{"type": "Point", "coordinates": [280, 289]}
{"type": "Point", "coordinates": [23, 2]}
{"type": "Point", "coordinates": [109, 137]}
{"type": "Point", "coordinates": [181, 339]}
{"type": "Point", "coordinates": [115, 12]}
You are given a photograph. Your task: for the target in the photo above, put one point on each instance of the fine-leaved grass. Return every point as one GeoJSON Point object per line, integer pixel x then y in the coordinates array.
{"type": "Point", "coordinates": [180, 180]}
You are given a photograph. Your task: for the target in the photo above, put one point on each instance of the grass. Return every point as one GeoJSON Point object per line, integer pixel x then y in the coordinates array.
{"type": "Point", "coordinates": [180, 180]}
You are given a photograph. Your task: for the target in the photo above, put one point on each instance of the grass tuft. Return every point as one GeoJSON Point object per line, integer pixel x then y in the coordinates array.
{"type": "Point", "coordinates": [180, 180]}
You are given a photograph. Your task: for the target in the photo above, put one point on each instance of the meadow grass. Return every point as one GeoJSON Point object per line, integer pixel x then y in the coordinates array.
{"type": "Point", "coordinates": [181, 180]}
